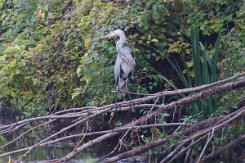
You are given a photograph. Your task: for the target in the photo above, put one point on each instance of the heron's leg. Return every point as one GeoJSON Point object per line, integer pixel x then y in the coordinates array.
{"type": "Point", "coordinates": [126, 84]}
{"type": "Point", "coordinates": [116, 106]}
{"type": "Point", "coordinates": [119, 92]}
{"type": "Point", "coordinates": [116, 100]}
{"type": "Point", "coordinates": [126, 88]}
{"type": "Point", "coordinates": [128, 93]}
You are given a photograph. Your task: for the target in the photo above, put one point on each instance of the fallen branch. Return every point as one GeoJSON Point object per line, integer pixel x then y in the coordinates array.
{"type": "Point", "coordinates": [26, 132]}
{"type": "Point", "coordinates": [204, 132]}
{"type": "Point", "coordinates": [135, 151]}
{"type": "Point", "coordinates": [184, 101]}
{"type": "Point", "coordinates": [224, 148]}
{"type": "Point", "coordinates": [116, 130]}
{"type": "Point", "coordinates": [94, 109]}
{"type": "Point", "coordinates": [210, 136]}
{"type": "Point", "coordinates": [83, 115]}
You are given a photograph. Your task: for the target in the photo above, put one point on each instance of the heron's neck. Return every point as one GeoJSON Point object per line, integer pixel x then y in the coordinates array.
{"type": "Point", "coordinates": [121, 42]}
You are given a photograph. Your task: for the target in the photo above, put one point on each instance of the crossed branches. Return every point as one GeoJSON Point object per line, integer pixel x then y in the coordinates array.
{"type": "Point", "coordinates": [81, 116]}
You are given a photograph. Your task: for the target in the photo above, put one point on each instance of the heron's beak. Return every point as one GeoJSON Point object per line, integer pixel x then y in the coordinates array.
{"type": "Point", "coordinates": [104, 36]}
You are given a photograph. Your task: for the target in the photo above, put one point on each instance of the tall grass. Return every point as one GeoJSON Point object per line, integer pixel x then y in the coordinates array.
{"type": "Point", "coordinates": [205, 68]}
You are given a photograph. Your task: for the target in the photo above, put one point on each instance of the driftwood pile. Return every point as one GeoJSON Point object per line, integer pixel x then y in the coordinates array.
{"type": "Point", "coordinates": [187, 135]}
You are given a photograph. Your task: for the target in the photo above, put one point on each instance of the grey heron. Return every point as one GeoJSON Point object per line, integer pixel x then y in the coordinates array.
{"type": "Point", "coordinates": [125, 62]}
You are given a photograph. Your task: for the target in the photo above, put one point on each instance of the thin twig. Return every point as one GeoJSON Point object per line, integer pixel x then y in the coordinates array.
{"type": "Point", "coordinates": [135, 151]}
{"type": "Point", "coordinates": [24, 133]}
{"type": "Point", "coordinates": [210, 136]}
{"type": "Point", "coordinates": [224, 147]}
{"type": "Point", "coordinates": [61, 131]}
{"type": "Point", "coordinates": [186, 148]}
{"type": "Point", "coordinates": [188, 152]}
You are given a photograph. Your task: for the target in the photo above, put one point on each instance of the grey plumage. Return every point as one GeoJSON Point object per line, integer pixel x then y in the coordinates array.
{"type": "Point", "coordinates": [125, 62]}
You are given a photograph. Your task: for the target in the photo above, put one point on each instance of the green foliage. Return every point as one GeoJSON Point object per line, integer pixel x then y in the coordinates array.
{"type": "Point", "coordinates": [53, 57]}
{"type": "Point", "coordinates": [205, 70]}
{"type": "Point", "coordinates": [32, 76]}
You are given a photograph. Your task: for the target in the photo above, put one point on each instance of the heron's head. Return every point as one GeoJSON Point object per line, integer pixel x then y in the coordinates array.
{"type": "Point", "coordinates": [117, 32]}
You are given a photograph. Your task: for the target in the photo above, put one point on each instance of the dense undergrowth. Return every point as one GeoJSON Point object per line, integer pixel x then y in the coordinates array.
{"type": "Point", "coordinates": [53, 57]}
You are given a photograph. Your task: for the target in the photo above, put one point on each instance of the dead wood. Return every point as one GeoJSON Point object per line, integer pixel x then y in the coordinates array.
{"type": "Point", "coordinates": [224, 148]}
{"type": "Point", "coordinates": [136, 151]}
{"type": "Point", "coordinates": [187, 138]}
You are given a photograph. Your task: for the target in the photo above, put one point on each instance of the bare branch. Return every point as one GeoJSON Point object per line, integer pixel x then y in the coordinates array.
{"type": "Point", "coordinates": [83, 115]}
{"type": "Point", "coordinates": [135, 151]}
{"type": "Point", "coordinates": [225, 147]}
{"type": "Point", "coordinates": [181, 102]}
